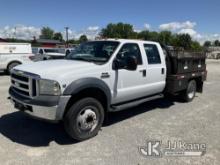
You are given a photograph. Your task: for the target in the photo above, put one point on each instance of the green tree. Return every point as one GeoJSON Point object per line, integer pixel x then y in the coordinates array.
{"type": "Point", "coordinates": [183, 40]}
{"type": "Point", "coordinates": [207, 44]}
{"type": "Point", "coordinates": [144, 35]}
{"type": "Point", "coordinates": [119, 30]}
{"type": "Point", "coordinates": [47, 33]}
{"type": "Point", "coordinates": [83, 38]}
{"type": "Point", "coordinates": [154, 36]}
{"type": "Point", "coordinates": [196, 46]}
{"type": "Point", "coordinates": [216, 43]}
{"type": "Point", "coordinates": [165, 37]}
{"type": "Point", "coordinates": [73, 41]}
{"type": "Point", "coordinates": [58, 36]}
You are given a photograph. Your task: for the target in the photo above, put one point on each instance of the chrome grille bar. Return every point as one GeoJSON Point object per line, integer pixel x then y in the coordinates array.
{"type": "Point", "coordinates": [23, 83]}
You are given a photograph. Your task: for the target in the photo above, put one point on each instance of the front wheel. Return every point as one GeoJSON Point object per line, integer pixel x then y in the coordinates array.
{"type": "Point", "coordinates": [84, 119]}
{"type": "Point", "coordinates": [189, 94]}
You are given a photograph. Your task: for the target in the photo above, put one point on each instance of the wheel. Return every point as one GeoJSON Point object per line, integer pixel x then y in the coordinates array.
{"type": "Point", "coordinates": [11, 66]}
{"type": "Point", "coordinates": [84, 119]}
{"type": "Point", "coordinates": [189, 94]}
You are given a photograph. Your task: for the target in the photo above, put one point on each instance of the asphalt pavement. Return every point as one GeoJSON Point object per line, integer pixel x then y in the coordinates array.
{"type": "Point", "coordinates": [25, 141]}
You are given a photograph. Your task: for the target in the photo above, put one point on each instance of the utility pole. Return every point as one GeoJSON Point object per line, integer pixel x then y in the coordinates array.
{"type": "Point", "coordinates": [15, 35]}
{"type": "Point", "coordinates": [67, 39]}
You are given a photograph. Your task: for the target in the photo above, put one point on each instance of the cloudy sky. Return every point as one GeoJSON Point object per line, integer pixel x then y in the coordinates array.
{"type": "Point", "coordinates": [200, 19]}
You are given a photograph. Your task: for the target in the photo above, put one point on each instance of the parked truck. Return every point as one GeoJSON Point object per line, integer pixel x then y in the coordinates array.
{"type": "Point", "coordinates": [13, 54]}
{"type": "Point", "coordinates": [104, 76]}
{"type": "Point", "coordinates": [44, 53]}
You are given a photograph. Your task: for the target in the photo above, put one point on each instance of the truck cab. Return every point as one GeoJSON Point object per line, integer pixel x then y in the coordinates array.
{"type": "Point", "coordinates": [96, 78]}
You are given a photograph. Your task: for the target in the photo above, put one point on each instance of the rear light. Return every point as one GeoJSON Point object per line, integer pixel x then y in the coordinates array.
{"type": "Point", "coordinates": [180, 77]}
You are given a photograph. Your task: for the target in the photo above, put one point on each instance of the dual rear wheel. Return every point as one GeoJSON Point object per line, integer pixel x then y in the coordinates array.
{"type": "Point", "coordinates": [189, 94]}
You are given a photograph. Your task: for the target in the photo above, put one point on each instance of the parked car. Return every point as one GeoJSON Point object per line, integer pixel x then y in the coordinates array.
{"type": "Point", "coordinates": [104, 76]}
{"type": "Point", "coordinates": [66, 51]}
{"type": "Point", "coordinates": [13, 54]}
{"type": "Point", "coordinates": [48, 53]}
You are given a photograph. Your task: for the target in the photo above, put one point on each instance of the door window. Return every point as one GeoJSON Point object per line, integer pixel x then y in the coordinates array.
{"type": "Point", "coordinates": [41, 51]}
{"type": "Point", "coordinates": [152, 53]}
{"type": "Point", "coordinates": [130, 49]}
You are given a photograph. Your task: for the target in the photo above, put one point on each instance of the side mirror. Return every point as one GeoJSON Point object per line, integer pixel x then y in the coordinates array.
{"type": "Point", "coordinates": [118, 64]}
{"type": "Point", "coordinates": [130, 63]}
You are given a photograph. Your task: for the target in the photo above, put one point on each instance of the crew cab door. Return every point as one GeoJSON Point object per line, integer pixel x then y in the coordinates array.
{"type": "Point", "coordinates": [129, 85]}
{"type": "Point", "coordinates": [156, 68]}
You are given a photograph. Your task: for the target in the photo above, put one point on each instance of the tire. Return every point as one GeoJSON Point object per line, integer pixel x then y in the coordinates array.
{"type": "Point", "coordinates": [11, 66]}
{"type": "Point", "coordinates": [189, 94]}
{"type": "Point", "coordinates": [84, 119]}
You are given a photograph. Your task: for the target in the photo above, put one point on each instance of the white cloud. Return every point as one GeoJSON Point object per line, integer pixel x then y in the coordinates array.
{"type": "Point", "coordinates": [209, 37]}
{"type": "Point", "coordinates": [147, 26]}
{"type": "Point", "coordinates": [137, 30]}
{"type": "Point", "coordinates": [173, 26]}
{"type": "Point", "coordinates": [194, 34]}
{"type": "Point", "coordinates": [91, 32]}
{"type": "Point", "coordinates": [28, 32]}
{"type": "Point", "coordinates": [19, 31]}
{"type": "Point", "coordinates": [216, 35]}
{"type": "Point", "coordinates": [93, 28]}
{"type": "Point", "coordinates": [200, 37]}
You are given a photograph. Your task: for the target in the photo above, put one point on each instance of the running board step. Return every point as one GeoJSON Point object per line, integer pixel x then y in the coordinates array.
{"type": "Point", "coordinates": [116, 108]}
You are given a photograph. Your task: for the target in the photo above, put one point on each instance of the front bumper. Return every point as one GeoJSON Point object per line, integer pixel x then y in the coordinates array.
{"type": "Point", "coordinates": [46, 109]}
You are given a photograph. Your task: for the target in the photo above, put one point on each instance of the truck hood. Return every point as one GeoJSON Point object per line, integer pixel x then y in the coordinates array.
{"type": "Point", "coordinates": [56, 69]}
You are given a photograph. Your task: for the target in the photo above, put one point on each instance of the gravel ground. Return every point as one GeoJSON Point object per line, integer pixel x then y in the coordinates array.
{"type": "Point", "coordinates": [28, 141]}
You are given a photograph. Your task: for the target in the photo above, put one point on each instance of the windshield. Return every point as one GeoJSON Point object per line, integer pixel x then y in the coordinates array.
{"type": "Point", "coordinates": [96, 51]}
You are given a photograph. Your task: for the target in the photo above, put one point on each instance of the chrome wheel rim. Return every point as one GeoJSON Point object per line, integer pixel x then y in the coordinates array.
{"type": "Point", "coordinates": [191, 91]}
{"type": "Point", "coordinates": [87, 120]}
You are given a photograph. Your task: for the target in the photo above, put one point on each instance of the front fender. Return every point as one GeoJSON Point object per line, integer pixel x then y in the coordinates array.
{"type": "Point", "coordinates": [84, 83]}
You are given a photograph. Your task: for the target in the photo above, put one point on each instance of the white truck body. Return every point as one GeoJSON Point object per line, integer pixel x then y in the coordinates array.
{"type": "Point", "coordinates": [127, 88]}
{"type": "Point", "coordinates": [98, 77]}
{"type": "Point", "coordinates": [14, 53]}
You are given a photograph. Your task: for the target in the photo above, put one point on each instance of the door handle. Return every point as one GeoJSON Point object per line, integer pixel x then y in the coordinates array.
{"type": "Point", "coordinates": [162, 71]}
{"type": "Point", "coordinates": [144, 72]}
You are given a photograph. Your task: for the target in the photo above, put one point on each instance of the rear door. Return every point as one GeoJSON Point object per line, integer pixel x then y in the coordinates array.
{"type": "Point", "coordinates": [156, 68]}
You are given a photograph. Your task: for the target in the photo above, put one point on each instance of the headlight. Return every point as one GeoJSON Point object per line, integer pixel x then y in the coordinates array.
{"type": "Point", "coordinates": [49, 87]}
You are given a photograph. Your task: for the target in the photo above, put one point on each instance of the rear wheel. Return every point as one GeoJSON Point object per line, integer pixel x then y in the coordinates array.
{"type": "Point", "coordinates": [11, 66]}
{"type": "Point", "coordinates": [84, 119]}
{"type": "Point", "coordinates": [189, 94]}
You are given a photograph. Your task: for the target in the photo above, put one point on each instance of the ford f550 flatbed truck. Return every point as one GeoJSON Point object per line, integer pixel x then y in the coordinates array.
{"type": "Point", "coordinates": [104, 76]}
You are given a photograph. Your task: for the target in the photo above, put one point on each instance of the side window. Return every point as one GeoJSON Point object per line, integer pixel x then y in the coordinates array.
{"type": "Point", "coordinates": [34, 50]}
{"type": "Point", "coordinates": [41, 51]}
{"type": "Point", "coordinates": [153, 55]}
{"type": "Point", "coordinates": [130, 50]}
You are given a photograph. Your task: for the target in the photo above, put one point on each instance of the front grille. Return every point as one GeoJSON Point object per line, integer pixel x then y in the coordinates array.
{"type": "Point", "coordinates": [24, 84]}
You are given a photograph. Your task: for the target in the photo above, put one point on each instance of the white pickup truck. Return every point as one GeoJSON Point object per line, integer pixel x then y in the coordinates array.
{"type": "Point", "coordinates": [49, 53]}
{"type": "Point", "coordinates": [13, 54]}
{"type": "Point", "coordinates": [101, 77]}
